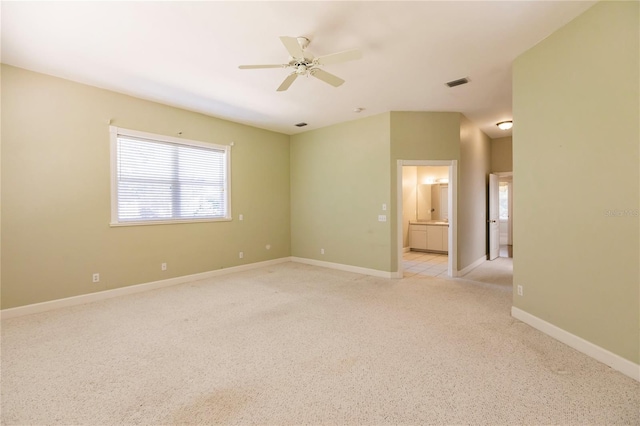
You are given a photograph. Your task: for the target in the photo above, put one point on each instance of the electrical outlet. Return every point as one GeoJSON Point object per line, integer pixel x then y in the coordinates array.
{"type": "Point", "coordinates": [241, 217]}
{"type": "Point", "coordinates": [520, 292]}
{"type": "Point", "coordinates": [268, 246]}
{"type": "Point", "coordinates": [163, 266]}
{"type": "Point", "coordinates": [241, 255]}
{"type": "Point", "coordinates": [96, 278]}
{"type": "Point", "coordinates": [321, 251]}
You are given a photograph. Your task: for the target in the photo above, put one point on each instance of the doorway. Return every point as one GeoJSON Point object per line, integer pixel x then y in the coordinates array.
{"type": "Point", "coordinates": [498, 270]}
{"type": "Point", "coordinates": [505, 184]}
{"type": "Point", "coordinates": [441, 209]}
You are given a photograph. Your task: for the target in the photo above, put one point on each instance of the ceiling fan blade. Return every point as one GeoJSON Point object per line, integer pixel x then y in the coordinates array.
{"type": "Point", "coordinates": [327, 77]}
{"type": "Point", "coordinates": [292, 46]}
{"type": "Point", "coordinates": [287, 82]}
{"type": "Point", "coordinates": [334, 58]}
{"type": "Point", "coordinates": [254, 67]}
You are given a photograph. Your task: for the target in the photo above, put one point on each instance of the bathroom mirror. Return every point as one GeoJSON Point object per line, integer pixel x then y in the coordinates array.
{"type": "Point", "coordinates": [432, 201]}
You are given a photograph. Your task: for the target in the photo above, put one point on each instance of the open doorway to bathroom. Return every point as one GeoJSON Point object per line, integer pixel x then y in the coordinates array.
{"type": "Point", "coordinates": [426, 218]}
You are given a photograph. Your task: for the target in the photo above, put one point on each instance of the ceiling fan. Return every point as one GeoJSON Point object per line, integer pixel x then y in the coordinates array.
{"type": "Point", "coordinates": [303, 63]}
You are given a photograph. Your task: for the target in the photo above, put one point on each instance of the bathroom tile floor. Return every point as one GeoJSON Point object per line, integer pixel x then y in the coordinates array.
{"type": "Point", "coordinates": [424, 264]}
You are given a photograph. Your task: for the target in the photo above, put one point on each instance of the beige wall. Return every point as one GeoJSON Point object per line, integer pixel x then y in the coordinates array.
{"type": "Point", "coordinates": [475, 157]}
{"type": "Point", "coordinates": [575, 98]}
{"type": "Point", "coordinates": [425, 136]}
{"type": "Point", "coordinates": [501, 155]}
{"type": "Point", "coordinates": [56, 193]}
{"type": "Point", "coordinates": [339, 181]}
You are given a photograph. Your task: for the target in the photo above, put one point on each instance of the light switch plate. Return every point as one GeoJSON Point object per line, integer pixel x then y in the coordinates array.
{"type": "Point", "coordinates": [382, 218]}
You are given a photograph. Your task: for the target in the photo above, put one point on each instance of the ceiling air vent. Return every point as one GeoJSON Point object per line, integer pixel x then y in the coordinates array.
{"type": "Point", "coordinates": [301, 124]}
{"type": "Point", "coordinates": [458, 82]}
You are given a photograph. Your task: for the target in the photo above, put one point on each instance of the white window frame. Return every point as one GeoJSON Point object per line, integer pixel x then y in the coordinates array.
{"type": "Point", "coordinates": [119, 131]}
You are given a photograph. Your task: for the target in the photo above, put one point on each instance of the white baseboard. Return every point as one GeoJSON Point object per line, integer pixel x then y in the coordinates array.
{"type": "Point", "coordinates": [471, 267]}
{"type": "Point", "coordinates": [348, 268]}
{"type": "Point", "coordinates": [406, 249]}
{"type": "Point", "coordinates": [122, 291]}
{"type": "Point", "coordinates": [614, 361]}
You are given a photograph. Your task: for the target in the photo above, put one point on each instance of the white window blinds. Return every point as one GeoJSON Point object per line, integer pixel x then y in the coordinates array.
{"type": "Point", "coordinates": [161, 180]}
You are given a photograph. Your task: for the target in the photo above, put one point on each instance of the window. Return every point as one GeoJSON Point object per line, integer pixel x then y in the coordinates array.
{"type": "Point", "coordinates": [160, 179]}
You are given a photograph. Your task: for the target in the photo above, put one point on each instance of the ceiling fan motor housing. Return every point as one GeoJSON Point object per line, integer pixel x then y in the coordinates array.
{"type": "Point", "coordinates": [303, 42]}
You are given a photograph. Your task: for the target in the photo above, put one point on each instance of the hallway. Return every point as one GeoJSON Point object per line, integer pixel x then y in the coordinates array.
{"type": "Point", "coordinates": [498, 271]}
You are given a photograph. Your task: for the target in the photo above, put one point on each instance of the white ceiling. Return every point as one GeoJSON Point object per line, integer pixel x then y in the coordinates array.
{"type": "Point", "coordinates": [187, 54]}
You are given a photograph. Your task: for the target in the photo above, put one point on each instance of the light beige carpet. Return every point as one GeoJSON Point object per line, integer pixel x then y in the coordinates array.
{"type": "Point", "coordinates": [297, 344]}
{"type": "Point", "coordinates": [498, 271]}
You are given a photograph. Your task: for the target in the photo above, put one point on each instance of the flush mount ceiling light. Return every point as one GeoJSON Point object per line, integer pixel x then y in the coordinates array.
{"type": "Point", "coordinates": [505, 125]}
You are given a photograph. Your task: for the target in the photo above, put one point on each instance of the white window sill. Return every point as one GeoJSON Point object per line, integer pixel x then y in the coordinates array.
{"type": "Point", "coordinates": [168, 222]}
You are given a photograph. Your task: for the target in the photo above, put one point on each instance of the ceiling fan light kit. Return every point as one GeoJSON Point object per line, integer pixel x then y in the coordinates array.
{"type": "Point", "coordinates": [304, 63]}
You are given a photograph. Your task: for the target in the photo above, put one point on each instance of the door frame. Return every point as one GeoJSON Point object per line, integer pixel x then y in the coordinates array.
{"type": "Point", "coordinates": [493, 220]}
{"type": "Point", "coordinates": [452, 265]}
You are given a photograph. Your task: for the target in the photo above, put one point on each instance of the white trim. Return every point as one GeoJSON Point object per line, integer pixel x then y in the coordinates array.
{"type": "Point", "coordinates": [123, 291]}
{"type": "Point", "coordinates": [614, 361]}
{"type": "Point", "coordinates": [471, 267]}
{"type": "Point", "coordinates": [406, 249]}
{"type": "Point", "coordinates": [169, 222]}
{"type": "Point", "coordinates": [427, 163]}
{"type": "Point", "coordinates": [453, 210]}
{"type": "Point", "coordinates": [113, 141]}
{"type": "Point", "coordinates": [348, 268]}
{"type": "Point", "coordinates": [503, 174]}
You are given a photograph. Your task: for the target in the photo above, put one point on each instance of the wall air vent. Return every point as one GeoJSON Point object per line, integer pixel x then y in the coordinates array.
{"type": "Point", "coordinates": [301, 124]}
{"type": "Point", "coordinates": [458, 82]}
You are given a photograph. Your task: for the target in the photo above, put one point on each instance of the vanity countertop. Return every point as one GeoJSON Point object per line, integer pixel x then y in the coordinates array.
{"type": "Point", "coordinates": [429, 222]}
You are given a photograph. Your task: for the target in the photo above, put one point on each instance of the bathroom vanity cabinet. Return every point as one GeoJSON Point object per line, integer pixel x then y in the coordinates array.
{"type": "Point", "coordinates": [429, 236]}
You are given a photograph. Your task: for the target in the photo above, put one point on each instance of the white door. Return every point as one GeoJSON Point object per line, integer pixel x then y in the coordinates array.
{"type": "Point", "coordinates": [494, 222]}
